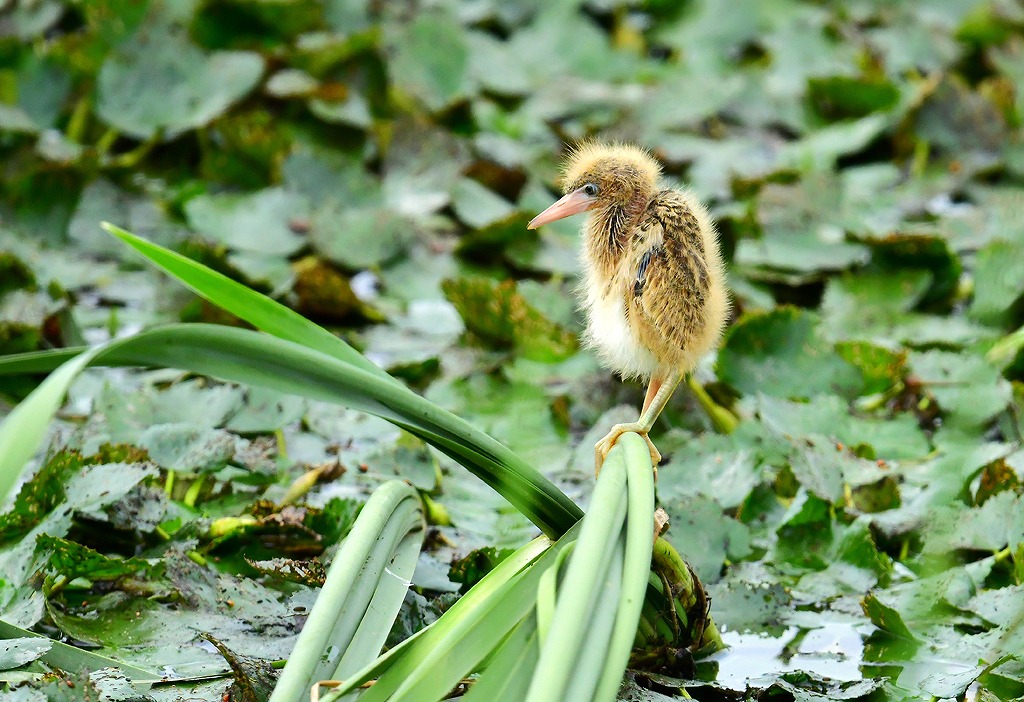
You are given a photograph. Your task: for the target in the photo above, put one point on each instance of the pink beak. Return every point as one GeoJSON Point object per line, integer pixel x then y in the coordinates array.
{"type": "Point", "coordinates": [575, 202]}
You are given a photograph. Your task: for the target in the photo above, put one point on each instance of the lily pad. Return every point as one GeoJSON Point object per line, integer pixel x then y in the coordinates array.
{"type": "Point", "coordinates": [705, 536]}
{"type": "Point", "coordinates": [999, 281]}
{"type": "Point", "coordinates": [969, 391]}
{"type": "Point", "coordinates": [359, 237]}
{"type": "Point", "coordinates": [498, 316]}
{"type": "Point", "coordinates": [158, 82]}
{"type": "Point", "coordinates": [780, 353]}
{"type": "Point", "coordinates": [260, 222]}
{"type": "Point", "coordinates": [430, 60]}
{"type": "Point", "coordinates": [15, 653]}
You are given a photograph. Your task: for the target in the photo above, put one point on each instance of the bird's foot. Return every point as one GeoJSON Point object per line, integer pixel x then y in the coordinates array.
{"type": "Point", "coordinates": [602, 447]}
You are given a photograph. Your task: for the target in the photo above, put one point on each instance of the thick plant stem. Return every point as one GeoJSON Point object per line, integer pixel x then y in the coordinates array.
{"type": "Point", "coordinates": [681, 622]}
{"type": "Point", "coordinates": [724, 421]}
{"type": "Point", "coordinates": [687, 591]}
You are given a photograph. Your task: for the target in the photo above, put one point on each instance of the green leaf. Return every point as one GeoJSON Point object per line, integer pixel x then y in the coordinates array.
{"type": "Point", "coordinates": [259, 222]}
{"type": "Point", "coordinates": [881, 367]}
{"type": "Point", "coordinates": [15, 653]}
{"type": "Point", "coordinates": [360, 599]}
{"type": "Point", "coordinates": [816, 465]}
{"type": "Point", "coordinates": [998, 281]}
{"type": "Point", "coordinates": [159, 82]}
{"type": "Point", "coordinates": [67, 657]}
{"type": "Point", "coordinates": [472, 567]}
{"type": "Point", "coordinates": [100, 200]}
{"type": "Point", "coordinates": [73, 560]}
{"type": "Point", "coordinates": [842, 96]}
{"type": "Point", "coordinates": [259, 310]}
{"type": "Point", "coordinates": [969, 391]}
{"type": "Point", "coordinates": [359, 237]}
{"type": "Point", "coordinates": [886, 618]}
{"type": "Point", "coordinates": [248, 357]}
{"type": "Point", "coordinates": [498, 316]}
{"type": "Point", "coordinates": [779, 353]}
{"type": "Point", "coordinates": [705, 535]}
{"type": "Point", "coordinates": [895, 438]}
{"type": "Point", "coordinates": [14, 273]}
{"type": "Point", "coordinates": [430, 60]}
{"type": "Point", "coordinates": [784, 255]}
{"type": "Point", "coordinates": [477, 206]}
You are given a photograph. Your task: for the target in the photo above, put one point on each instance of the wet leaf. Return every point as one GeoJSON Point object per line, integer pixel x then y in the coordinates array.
{"type": "Point", "coordinates": [254, 678]}
{"type": "Point", "coordinates": [899, 437]}
{"type": "Point", "coordinates": [704, 536]}
{"type": "Point", "coordinates": [430, 60]}
{"type": "Point", "coordinates": [817, 467]}
{"type": "Point", "coordinates": [102, 200]}
{"type": "Point", "coordinates": [184, 447]}
{"type": "Point", "coordinates": [469, 569]}
{"type": "Point", "coordinates": [881, 368]}
{"type": "Point", "coordinates": [477, 206]}
{"type": "Point", "coordinates": [749, 606]}
{"type": "Point", "coordinates": [999, 279]}
{"type": "Point", "coordinates": [260, 222]}
{"type": "Point", "coordinates": [969, 391]}
{"type": "Point", "coordinates": [886, 618]}
{"type": "Point", "coordinates": [15, 653]}
{"type": "Point", "coordinates": [842, 96]}
{"type": "Point", "coordinates": [359, 237]}
{"type": "Point", "coordinates": [14, 273]}
{"type": "Point", "coordinates": [159, 82]}
{"type": "Point", "coordinates": [779, 353]}
{"type": "Point", "coordinates": [45, 490]}
{"type": "Point", "coordinates": [498, 316]}
{"type": "Point", "coordinates": [72, 560]}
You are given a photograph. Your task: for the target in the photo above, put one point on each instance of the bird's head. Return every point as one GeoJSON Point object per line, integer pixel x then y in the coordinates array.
{"type": "Point", "coordinates": [613, 177]}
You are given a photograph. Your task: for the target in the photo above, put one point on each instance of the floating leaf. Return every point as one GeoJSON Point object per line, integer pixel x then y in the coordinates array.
{"type": "Point", "coordinates": [886, 618]}
{"type": "Point", "coordinates": [260, 222]}
{"type": "Point", "coordinates": [15, 653]}
{"type": "Point", "coordinates": [73, 560]}
{"type": "Point", "coordinates": [969, 391]}
{"type": "Point", "coordinates": [779, 353]}
{"type": "Point", "coordinates": [359, 237]}
{"type": "Point", "coordinates": [497, 315]}
{"type": "Point", "coordinates": [842, 96]}
{"type": "Point", "coordinates": [430, 60]}
{"type": "Point", "coordinates": [159, 82]}
{"type": "Point", "coordinates": [999, 280]}
{"type": "Point", "coordinates": [705, 536]}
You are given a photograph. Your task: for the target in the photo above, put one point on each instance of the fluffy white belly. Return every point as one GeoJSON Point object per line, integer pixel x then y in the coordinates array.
{"type": "Point", "coordinates": [609, 333]}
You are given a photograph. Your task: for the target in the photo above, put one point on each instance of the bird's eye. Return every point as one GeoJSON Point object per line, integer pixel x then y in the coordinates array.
{"type": "Point", "coordinates": [590, 189]}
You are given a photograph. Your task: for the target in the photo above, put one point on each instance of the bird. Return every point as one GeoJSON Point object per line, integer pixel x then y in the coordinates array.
{"type": "Point", "coordinates": [653, 286]}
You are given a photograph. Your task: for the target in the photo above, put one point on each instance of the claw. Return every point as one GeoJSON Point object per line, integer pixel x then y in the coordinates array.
{"type": "Point", "coordinates": [602, 447]}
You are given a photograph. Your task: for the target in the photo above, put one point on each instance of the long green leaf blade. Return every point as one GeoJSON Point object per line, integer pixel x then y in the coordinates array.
{"type": "Point", "coordinates": [358, 603]}
{"type": "Point", "coordinates": [24, 428]}
{"type": "Point", "coordinates": [248, 357]}
{"type": "Point", "coordinates": [398, 664]}
{"type": "Point", "coordinates": [68, 658]}
{"type": "Point", "coordinates": [636, 565]}
{"type": "Point", "coordinates": [259, 310]}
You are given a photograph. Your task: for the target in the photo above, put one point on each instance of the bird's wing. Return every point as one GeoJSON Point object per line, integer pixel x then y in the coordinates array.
{"type": "Point", "coordinates": [671, 278]}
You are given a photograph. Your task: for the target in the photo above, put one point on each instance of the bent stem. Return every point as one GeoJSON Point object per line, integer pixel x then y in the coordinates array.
{"type": "Point", "coordinates": [682, 622]}
{"type": "Point", "coordinates": [724, 421]}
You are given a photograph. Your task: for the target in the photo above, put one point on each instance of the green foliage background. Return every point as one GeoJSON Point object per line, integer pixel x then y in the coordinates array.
{"type": "Point", "coordinates": [373, 165]}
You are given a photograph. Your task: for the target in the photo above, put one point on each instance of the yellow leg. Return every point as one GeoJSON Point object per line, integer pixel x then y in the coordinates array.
{"type": "Point", "coordinates": [652, 408]}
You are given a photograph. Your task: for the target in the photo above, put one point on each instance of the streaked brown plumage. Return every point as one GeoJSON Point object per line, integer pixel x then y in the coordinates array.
{"type": "Point", "coordinates": [654, 285]}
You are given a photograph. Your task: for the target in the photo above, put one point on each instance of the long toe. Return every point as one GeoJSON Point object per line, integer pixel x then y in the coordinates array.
{"type": "Point", "coordinates": [655, 453]}
{"type": "Point", "coordinates": [602, 447]}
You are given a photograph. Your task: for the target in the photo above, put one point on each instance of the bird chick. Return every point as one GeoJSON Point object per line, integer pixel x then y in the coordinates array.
{"type": "Point", "coordinates": [654, 282]}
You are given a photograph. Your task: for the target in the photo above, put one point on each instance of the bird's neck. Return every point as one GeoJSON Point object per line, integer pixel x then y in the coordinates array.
{"type": "Point", "coordinates": [611, 228]}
